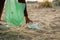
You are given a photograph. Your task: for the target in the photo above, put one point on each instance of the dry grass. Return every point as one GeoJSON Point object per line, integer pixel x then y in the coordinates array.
{"type": "Point", "coordinates": [49, 21]}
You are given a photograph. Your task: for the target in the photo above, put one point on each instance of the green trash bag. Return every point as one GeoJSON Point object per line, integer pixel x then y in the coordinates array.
{"type": "Point", "coordinates": [14, 12]}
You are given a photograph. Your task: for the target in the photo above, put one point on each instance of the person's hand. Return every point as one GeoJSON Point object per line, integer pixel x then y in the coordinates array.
{"type": "Point", "coordinates": [27, 20]}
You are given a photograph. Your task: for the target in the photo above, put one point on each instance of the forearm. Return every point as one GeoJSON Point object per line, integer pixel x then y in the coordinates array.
{"type": "Point", "coordinates": [25, 12]}
{"type": "Point", "coordinates": [1, 7]}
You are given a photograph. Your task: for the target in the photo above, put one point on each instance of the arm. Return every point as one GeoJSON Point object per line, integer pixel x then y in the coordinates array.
{"type": "Point", "coordinates": [1, 7]}
{"type": "Point", "coordinates": [25, 11]}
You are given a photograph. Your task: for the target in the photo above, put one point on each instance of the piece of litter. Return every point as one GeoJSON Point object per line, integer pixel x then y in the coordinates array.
{"type": "Point", "coordinates": [33, 25]}
{"type": "Point", "coordinates": [3, 27]}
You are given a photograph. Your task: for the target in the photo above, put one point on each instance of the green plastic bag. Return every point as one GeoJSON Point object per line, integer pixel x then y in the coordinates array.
{"type": "Point", "coordinates": [14, 12]}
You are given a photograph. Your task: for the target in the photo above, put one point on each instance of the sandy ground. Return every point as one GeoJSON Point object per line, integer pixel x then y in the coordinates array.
{"type": "Point", "coordinates": [48, 19]}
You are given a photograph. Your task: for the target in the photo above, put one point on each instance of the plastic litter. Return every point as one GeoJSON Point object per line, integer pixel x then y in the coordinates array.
{"type": "Point", "coordinates": [4, 27]}
{"type": "Point", "coordinates": [33, 25]}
